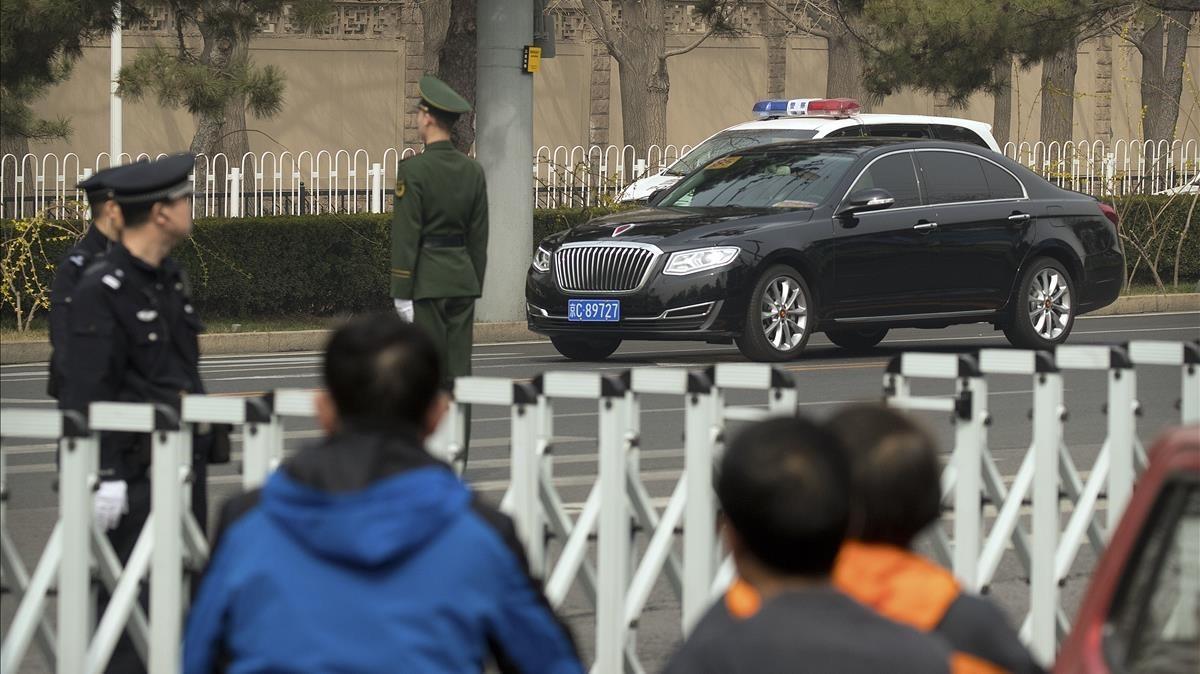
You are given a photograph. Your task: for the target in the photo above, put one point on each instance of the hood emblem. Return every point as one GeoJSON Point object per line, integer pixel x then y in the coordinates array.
{"type": "Point", "coordinates": [621, 229]}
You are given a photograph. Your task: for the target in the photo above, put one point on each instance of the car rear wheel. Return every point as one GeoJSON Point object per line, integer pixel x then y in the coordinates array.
{"type": "Point", "coordinates": [586, 348]}
{"type": "Point", "coordinates": [857, 340]}
{"type": "Point", "coordinates": [1042, 313]}
{"type": "Point", "coordinates": [779, 317]}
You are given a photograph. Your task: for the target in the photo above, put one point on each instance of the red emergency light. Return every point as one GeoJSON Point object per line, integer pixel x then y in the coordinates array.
{"type": "Point", "coordinates": [831, 107]}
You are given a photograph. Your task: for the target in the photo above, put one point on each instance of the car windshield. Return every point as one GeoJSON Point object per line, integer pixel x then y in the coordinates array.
{"type": "Point", "coordinates": [729, 141]}
{"type": "Point", "coordinates": [795, 178]}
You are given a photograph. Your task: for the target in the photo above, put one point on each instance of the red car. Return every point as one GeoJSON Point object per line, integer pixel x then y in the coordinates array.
{"type": "Point", "coordinates": [1141, 612]}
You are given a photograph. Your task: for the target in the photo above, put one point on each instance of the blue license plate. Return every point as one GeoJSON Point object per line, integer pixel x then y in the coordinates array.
{"type": "Point", "coordinates": [604, 311]}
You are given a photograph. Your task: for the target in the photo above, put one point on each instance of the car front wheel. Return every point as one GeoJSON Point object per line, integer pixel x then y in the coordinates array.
{"type": "Point", "coordinates": [779, 317]}
{"type": "Point", "coordinates": [587, 349]}
{"type": "Point", "coordinates": [1042, 313]}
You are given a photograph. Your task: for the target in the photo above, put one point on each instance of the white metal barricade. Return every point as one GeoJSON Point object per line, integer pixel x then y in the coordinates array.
{"type": "Point", "coordinates": [1184, 355]}
{"type": "Point", "coordinates": [962, 477]}
{"type": "Point", "coordinates": [169, 539]}
{"type": "Point", "coordinates": [618, 580]}
{"type": "Point", "coordinates": [66, 556]}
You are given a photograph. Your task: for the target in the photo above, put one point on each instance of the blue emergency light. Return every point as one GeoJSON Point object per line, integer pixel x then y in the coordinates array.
{"type": "Point", "coordinates": [770, 108]}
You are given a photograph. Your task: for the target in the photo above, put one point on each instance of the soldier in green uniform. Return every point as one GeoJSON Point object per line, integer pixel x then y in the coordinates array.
{"type": "Point", "coordinates": [440, 232]}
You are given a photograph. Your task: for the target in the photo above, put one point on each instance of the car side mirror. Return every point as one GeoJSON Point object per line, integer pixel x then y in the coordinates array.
{"type": "Point", "coordinates": [863, 201]}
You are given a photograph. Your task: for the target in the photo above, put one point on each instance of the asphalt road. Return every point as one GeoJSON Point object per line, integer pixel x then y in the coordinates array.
{"type": "Point", "coordinates": [827, 377]}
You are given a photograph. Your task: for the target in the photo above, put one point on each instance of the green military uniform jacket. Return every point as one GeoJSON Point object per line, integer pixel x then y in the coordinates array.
{"type": "Point", "coordinates": [439, 225]}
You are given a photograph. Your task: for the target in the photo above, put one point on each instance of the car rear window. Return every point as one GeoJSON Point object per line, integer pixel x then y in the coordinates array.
{"type": "Point", "coordinates": [958, 134]}
{"type": "Point", "coordinates": [730, 141]}
{"type": "Point", "coordinates": [777, 179]}
{"type": "Point", "coordinates": [1000, 182]}
{"type": "Point", "coordinates": [952, 177]}
{"type": "Point", "coordinates": [896, 174]}
{"type": "Point", "coordinates": [898, 130]}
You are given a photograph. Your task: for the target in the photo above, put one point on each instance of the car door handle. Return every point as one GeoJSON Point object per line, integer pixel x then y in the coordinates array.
{"type": "Point", "coordinates": [1019, 217]}
{"type": "Point", "coordinates": [926, 226]}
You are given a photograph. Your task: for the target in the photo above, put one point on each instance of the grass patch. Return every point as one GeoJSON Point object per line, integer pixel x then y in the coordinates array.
{"type": "Point", "coordinates": [1168, 289]}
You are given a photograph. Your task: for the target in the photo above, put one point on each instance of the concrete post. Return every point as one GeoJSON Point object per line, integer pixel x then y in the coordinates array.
{"type": "Point", "coordinates": [504, 144]}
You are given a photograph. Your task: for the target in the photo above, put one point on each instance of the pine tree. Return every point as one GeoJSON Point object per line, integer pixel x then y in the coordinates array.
{"type": "Point", "coordinates": [215, 79]}
{"type": "Point", "coordinates": [39, 42]}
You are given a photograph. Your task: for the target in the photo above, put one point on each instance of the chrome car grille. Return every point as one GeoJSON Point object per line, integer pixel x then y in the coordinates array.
{"type": "Point", "coordinates": [603, 268]}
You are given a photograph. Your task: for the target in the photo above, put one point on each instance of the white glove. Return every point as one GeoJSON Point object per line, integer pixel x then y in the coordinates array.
{"type": "Point", "coordinates": [405, 309]}
{"type": "Point", "coordinates": [109, 502]}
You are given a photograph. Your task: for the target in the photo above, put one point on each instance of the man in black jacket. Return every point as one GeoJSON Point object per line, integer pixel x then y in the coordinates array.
{"type": "Point", "coordinates": [364, 553]}
{"type": "Point", "coordinates": [107, 221]}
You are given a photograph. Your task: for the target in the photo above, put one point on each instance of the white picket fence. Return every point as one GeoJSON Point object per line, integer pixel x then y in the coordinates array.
{"type": "Point", "coordinates": [352, 181]}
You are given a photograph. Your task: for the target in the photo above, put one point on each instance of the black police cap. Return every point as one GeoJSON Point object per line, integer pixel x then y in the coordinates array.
{"type": "Point", "coordinates": [147, 182]}
{"type": "Point", "coordinates": [99, 186]}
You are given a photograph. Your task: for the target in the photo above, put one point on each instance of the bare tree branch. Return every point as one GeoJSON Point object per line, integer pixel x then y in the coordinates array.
{"type": "Point", "coordinates": [816, 14]}
{"type": "Point", "coordinates": [693, 45]}
{"type": "Point", "coordinates": [601, 21]}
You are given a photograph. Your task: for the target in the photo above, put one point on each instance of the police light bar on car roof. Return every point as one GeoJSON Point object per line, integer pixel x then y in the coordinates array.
{"type": "Point", "coordinates": [807, 107]}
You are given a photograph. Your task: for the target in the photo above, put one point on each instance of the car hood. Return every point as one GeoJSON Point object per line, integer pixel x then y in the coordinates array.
{"type": "Point", "coordinates": [679, 226]}
{"type": "Point", "coordinates": [642, 188]}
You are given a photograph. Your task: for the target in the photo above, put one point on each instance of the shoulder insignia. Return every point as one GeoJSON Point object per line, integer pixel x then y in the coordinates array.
{"type": "Point", "coordinates": [78, 260]}
{"type": "Point", "coordinates": [400, 187]}
{"type": "Point", "coordinates": [111, 281]}
{"type": "Point", "coordinates": [147, 315]}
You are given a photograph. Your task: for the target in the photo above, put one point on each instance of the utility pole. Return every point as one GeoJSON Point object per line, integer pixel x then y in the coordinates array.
{"type": "Point", "coordinates": [114, 101]}
{"type": "Point", "coordinates": [504, 146]}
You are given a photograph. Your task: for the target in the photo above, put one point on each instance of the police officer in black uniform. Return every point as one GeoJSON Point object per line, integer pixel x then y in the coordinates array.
{"type": "Point", "coordinates": [104, 230]}
{"type": "Point", "coordinates": [133, 338]}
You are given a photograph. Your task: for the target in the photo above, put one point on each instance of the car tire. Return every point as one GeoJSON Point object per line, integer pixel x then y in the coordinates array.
{"type": "Point", "coordinates": [857, 340]}
{"type": "Point", "coordinates": [780, 293]}
{"type": "Point", "coordinates": [1042, 312]}
{"type": "Point", "coordinates": [586, 348]}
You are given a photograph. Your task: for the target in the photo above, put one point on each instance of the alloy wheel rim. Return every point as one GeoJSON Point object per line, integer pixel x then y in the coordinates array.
{"type": "Point", "coordinates": [784, 313]}
{"type": "Point", "coordinates": [1049, 304]}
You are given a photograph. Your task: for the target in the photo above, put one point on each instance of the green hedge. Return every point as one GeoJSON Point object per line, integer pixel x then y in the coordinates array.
{"type": "Point", "coordinates": [322, 265]}
{"type": "Point", "coordinates": [1154, 225]}
{"type": "Point", "coordinates": [314, 265]}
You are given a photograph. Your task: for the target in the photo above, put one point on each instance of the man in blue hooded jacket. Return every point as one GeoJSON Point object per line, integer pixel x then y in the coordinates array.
{"type": "Point", "coordinates": [363, 553]}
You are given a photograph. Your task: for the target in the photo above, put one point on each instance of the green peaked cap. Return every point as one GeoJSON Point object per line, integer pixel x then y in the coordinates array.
{"type": "Point", "coordinates": [439, 95]}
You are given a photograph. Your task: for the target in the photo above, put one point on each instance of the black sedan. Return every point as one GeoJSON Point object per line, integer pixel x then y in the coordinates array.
{"type": "Point", "coordinates": [848, 237]}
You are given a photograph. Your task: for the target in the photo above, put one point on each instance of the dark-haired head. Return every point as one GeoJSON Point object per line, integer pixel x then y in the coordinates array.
{"type": "Point", "coordinates": [784, 489]}
{"type": "Point", "coordinates": [896, 479]}
{"type": "Point", "coordinates": [382, 373]}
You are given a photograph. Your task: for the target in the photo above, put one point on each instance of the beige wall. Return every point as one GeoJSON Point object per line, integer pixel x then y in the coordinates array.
{"type": "Point", "coordinates": [347, 93]}
{"type": "Point", "coordinates": [340, 94]}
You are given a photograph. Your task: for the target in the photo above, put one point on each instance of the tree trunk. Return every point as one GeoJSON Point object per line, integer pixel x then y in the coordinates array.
{"type": "Point", "coordinates": [1002, 102]}
{"type": "Point", "coordinates": [435, 20]}
{"type": "Point", "coordinates": [1162, 75]}
{"type": "Point", "coordinates": [1058, 95]}
{"type": "Point", "coordinates": [456, 66]}
{"type": "Point", "coordinates": [642, 63]}
{"type": "Point", "coordinates": [844, 72]}
{"type": "Point", "coordinates": [223, 132]}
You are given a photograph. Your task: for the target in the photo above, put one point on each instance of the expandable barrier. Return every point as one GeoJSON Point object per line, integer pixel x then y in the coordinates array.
{"type": "Point", "coordinates": [617, 578]}
{"type": "Point", "coordinates": [1048, 473]}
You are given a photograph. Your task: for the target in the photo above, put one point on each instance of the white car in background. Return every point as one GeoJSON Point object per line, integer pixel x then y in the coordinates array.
{"type": "Point", "coordinates": [803, 119]}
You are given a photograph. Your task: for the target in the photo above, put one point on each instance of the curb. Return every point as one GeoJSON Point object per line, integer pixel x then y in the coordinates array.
{"type": "Point", "coordinates": [15, 353]}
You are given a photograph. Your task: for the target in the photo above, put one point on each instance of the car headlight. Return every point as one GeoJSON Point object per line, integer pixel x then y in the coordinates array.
{"type": "Point", "coordinates": [541, 260]}
{"type": "Point", "coordinates": [692, 261]}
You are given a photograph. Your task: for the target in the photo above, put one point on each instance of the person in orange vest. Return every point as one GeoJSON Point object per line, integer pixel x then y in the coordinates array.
{"type": "Point", "coordinates": [896, 495]}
